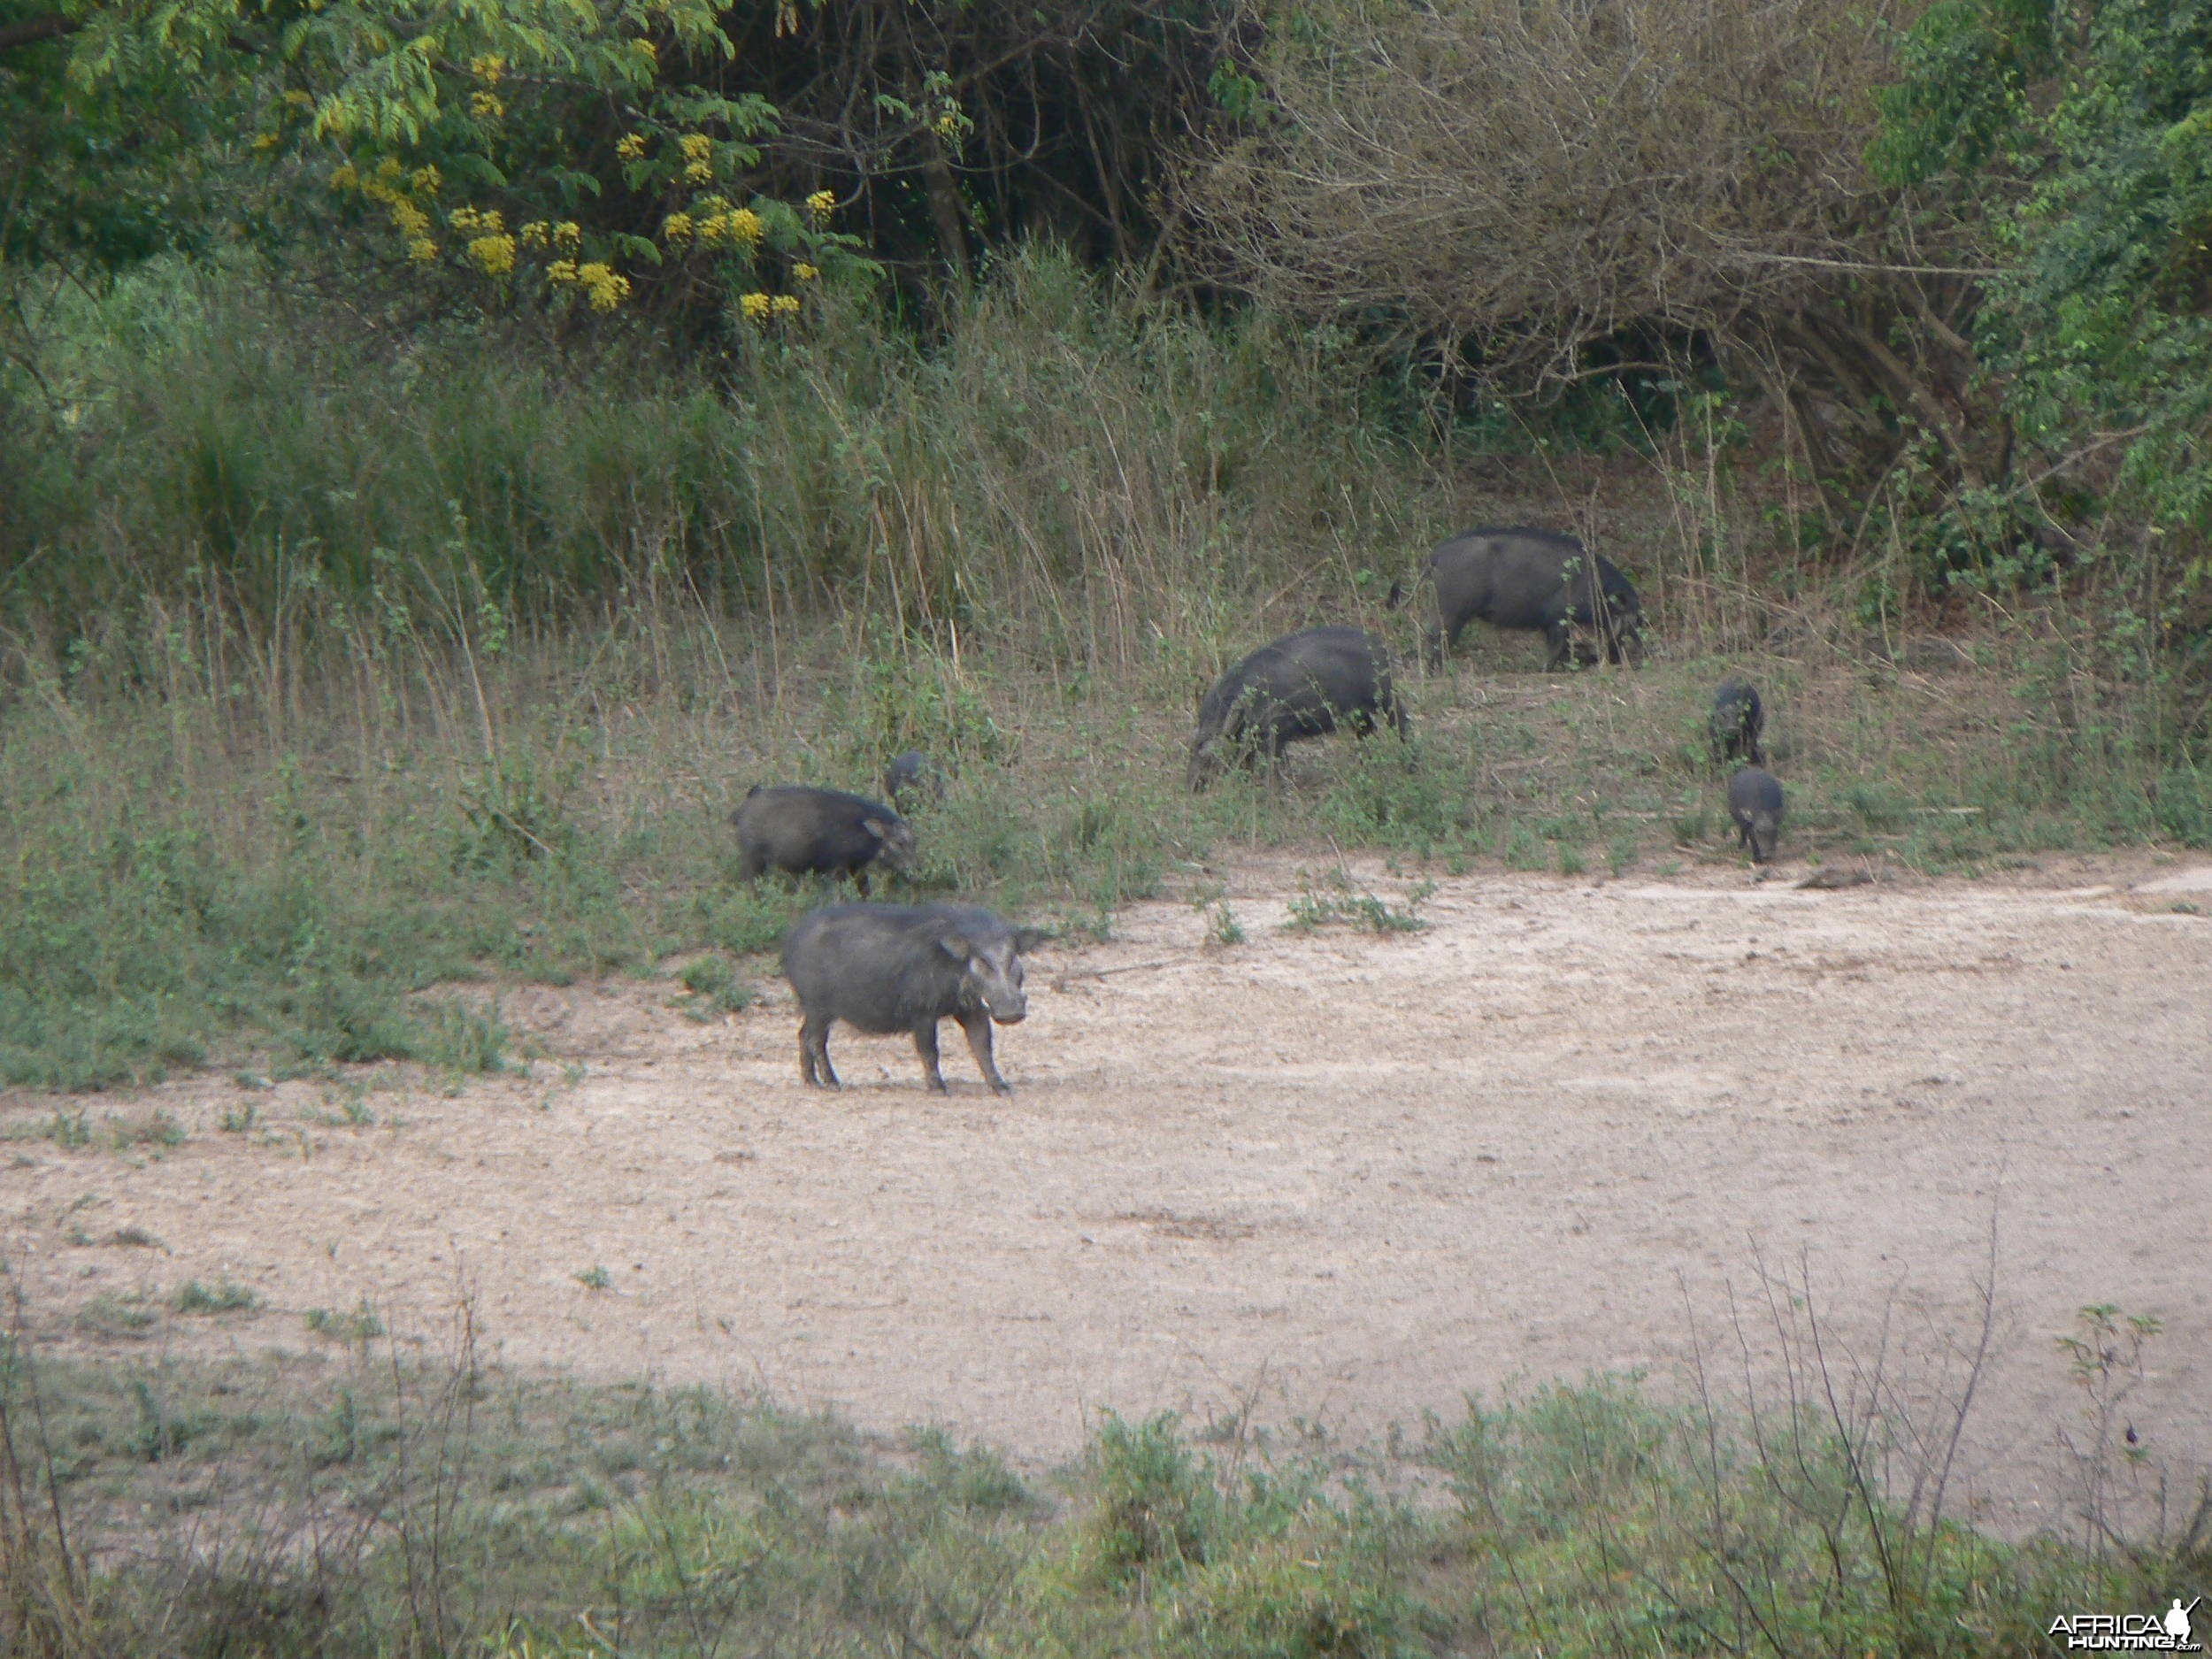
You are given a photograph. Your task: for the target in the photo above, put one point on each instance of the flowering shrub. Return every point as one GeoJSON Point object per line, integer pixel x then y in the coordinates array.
{"type": "Point", "coordinates": [518, 154]}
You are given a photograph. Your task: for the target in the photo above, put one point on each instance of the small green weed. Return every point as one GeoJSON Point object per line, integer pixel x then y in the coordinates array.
{"type": "Point", "coordinates": [240, 1119]}
{"type": "Point", "coordinates": [1222, 926]}
{"type": "Point", "coordinates": [156, 1129]}
{"type": "Point", "coordinates": [361, 1326]}
{"type": "Point", "coordinates": [593, 1278]}
{"type": "Point", "coordinates": [108, 1315]}
{"type": "Point", "coordinates": [1343, 902]}
{"type": "Point", "coordinates": [350, 1433]}
{"type": "Point", "coordinates": [223, 1296]}
{"type": "Point", "coordinates": [159, 1433]}
{"type": "Point", "coordinates": [1524, 849]}
{"type": "Point", "coordinates": [1154, 1508]}
{"type": "Point", "coordinates": [712, 990]}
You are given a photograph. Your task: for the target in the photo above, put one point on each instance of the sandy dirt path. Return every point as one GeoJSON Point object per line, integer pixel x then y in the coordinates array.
{"type": "Point", "coordinates": [1336, 1175]}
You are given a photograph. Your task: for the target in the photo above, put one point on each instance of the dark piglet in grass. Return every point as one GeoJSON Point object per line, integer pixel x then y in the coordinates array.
{"type": "Point", "coordinates": [1754, 801]}
{"type": "Point", "coordinates": [886, 968]}
{"type": "Point", "coordinates": [1537, 580]}
{"type": "Point", "coordinates": [913, 780]}
{"type": "Point", "coordinates": [1736, 723]}
{"type": "Point", "coordinates": [806, 831]}
{"type": "Point", "coordinates": [1303, 684]}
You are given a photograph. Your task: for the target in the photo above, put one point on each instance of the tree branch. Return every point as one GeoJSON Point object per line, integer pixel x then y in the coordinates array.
{"type": "Point", "coordinates": [31, 31]}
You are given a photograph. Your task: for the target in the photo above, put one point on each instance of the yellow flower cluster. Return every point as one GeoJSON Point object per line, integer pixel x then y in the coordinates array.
{"type": "Point", "coordinates": [632, 148]}
{"type": "Point", "coordinates": [409, 220]}
{"type": "Point", "coordinates": [741, 226]}
{"type": "Point", "coordinates": [822, 203]}
{"type": "Point", "coordinates": [567, 233]}
{"type": "Point", "coordinates": [297, 99]}
{"type": "Point", "coordinates": [604, 287]}
{"type": "Point", "coordinates": [649, 51]}
{"type": "Point", "coordinates": [488, 68]}
{"type": "Point", "coordinates": [494, 256]}
{"type": "Point", "coordinates": [947, 127]}
{"type": "Point", "coordinates": [676, 227]}
{"type": "Point", "coordinates": [805, 273]}
{"type": "Point", "coordinates": [388, 187]}
{"type": "Point", "coordinates": [761, 307]}
{"type": "Point", "coordinates": [696, 146]}
{"type": "Point", "coordinates": [486, 106]}
{"type": "Point", "coordinates": [472, 221]}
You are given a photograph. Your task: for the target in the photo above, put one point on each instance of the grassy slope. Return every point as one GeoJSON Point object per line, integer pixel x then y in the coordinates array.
{"type": "Point", "coordinates": [197, 875]}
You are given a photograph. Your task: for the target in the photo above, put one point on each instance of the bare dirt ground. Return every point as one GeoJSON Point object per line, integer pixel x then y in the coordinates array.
{"type": "Point", "coordinates": [1333, 1175]}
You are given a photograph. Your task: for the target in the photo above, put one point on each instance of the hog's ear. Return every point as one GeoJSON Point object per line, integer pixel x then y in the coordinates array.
{"type": "Point", "coordinates": [1027, 939]}
{"type": "Point", "coordinates": [876, 827]}
{"type": "Point", "coordinates": [956, 947]}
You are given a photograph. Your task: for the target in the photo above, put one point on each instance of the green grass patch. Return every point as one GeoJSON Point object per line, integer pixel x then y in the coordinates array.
{"type": "Point", "coordinates": [221, 1296]}
{"type": "Point", "coordinates": [1583, 1521]}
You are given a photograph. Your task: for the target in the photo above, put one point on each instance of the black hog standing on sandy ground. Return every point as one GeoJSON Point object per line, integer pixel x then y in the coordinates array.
{"type": "Point", "coordinates": [1736, 722]}
{"type": "Point", "coordinates": [913, 780]}
{"type": "Point", "coordinates": [1536, 579]}
{"type": "Point", "coordinates": [886, 968]}
{"type": "Point", "coordinates": [818, 832]}
{"type": "Point", "coordinates": [1304, 685]}
{"type": "Point", "coordinates": [1755, 801]}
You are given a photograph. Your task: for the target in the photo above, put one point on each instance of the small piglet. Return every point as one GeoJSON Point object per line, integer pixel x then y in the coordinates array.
{"type": "Point", "coordinates": [884, 968]}
{"type": "Point", "coordinates": [914, 779]}
{"type": "Point", "coordinates": [1755, 801]}
{"type": "Point", "coordinates": [1737, 720]}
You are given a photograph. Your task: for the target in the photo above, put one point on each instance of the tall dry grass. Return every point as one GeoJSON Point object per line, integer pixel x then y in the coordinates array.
{"type": "Point", "coordinates": [339, 670]}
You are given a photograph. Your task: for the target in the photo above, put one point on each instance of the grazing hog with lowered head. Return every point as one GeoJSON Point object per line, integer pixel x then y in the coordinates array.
{"type": "Point", "coordinates": [1539, 580]}
{"type": "Point", "coordinates": [1736, 722]}
{"type": "Point", "coordinates": [807, 832]}
{"type": "Point", "coordinates": [1304, 685]}
{"type": "Point", "coordinates": [913, 780]}
{"type": "Point", "coordinates": [1755, 801]}
{"type": "Point", "coordinates": [884, 968]}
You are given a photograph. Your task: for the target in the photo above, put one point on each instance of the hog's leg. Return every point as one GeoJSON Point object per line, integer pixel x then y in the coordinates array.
{"type": "Point", "coordinates": [977, 1025]}
{"type": "Point", "coordinates": [925, 1045]}
{"type": "Point", "coordinates": [814, 1061]}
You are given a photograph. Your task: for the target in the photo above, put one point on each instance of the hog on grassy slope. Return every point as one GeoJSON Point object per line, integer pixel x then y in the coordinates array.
{"type": "Point", "coordinates": [805, 832]}
{"type": "Point", "coordinates": [1303, 684]}
{"type": "Point", "coordinates": [913, 780]}
{"type": "Point", "coordinates": [1539, 580]}
{"type": "Point", "coordinates": [884, 968]}
{"type": "Point", "coordinates": [1754, 801]}
{"type": "Point", "coordinates": [1736, 722]}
